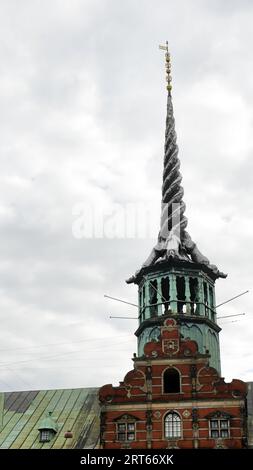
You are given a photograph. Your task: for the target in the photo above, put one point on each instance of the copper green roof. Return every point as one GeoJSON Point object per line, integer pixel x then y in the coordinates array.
{"type": "Point", "coordinates": [75, 410]}
{"type": "Point", "coordinates": [48, 423]}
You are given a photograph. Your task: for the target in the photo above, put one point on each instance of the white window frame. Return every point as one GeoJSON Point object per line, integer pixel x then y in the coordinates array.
{"type": "Point", "coordinates": [127, 431]}
{"type": "Point", "coordinates": [45, 435]}
{"type": "Point", "coordinates": [219, 428]}
{"type": "Point", "coordinates": [176, 426]}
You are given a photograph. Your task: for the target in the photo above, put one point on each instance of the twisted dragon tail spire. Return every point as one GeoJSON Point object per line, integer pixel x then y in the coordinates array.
{"type": "Point", "coordinates": [173, 206]}
{"type": "Point", "coordinates": [173, 240]}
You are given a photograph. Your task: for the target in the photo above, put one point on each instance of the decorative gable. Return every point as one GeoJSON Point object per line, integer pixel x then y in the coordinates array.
{"type": "Point", "coordinates": [126, 417]}
{"type": "Point", "coordinates": [171, 344]}
{"type": "Point", "coordinates": [219, 415]}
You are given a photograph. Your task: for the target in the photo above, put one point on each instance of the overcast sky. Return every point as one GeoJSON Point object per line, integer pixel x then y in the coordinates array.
{"type": "Point", "coordinates": [82, 119]}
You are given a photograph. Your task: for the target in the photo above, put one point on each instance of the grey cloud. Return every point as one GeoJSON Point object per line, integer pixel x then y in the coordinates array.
{"type": "Point", "coordinates": [82, 114]}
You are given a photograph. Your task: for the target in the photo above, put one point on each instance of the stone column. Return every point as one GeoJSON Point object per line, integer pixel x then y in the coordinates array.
{"type": "Point", "coordinates": [140, 304]}
{"type": "Point", "coordinates": [201, 307]}
{"type": "Point", "coordinates": [173, 293]}
{"type": "Point", "coordinates": [187, 295]}
{"type": "Point", "coordinates": [214, 304]}
{"type": "Point", "coordinates": [208, 303]}
{"type": "Point", "coordinates": [159, 296]}
{"type": "Point", "coordinates": [144, 302]}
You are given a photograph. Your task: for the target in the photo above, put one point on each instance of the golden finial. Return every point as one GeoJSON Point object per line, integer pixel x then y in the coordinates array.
{"type": "Point", "coordinates": [167, 65]}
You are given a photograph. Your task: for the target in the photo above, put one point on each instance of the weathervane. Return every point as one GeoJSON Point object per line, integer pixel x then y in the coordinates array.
{"type": "Point", "coordinates": [167, 65]}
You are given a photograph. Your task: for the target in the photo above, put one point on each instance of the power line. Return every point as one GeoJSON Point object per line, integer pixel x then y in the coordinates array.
{"type": "Point", "coordinates": [54, 363]}
{"type": "Point", "coordinates": [120, 300]}
{"type": "Point", "coordinates": [60, 344]}
{"type": "Point", "coordinates": [166, 300]}
{"type": "Point", "coordinates": [3, 364]}
{"type": "Point", "coordinates": [229, 316]}
{"type": "Point", "coordinates": [125, 318]}
{"type": "Point", "coordinates": [232, 298]}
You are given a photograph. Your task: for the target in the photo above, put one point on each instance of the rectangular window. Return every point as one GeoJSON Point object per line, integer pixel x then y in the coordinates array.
{"type": "Point", "coordinates": [45, 435]}
{"type": "Point", "coordinates": [121, 427]}
{"type": "Point", "coordinates": [126, 432]}
{"type": "Point", "coordinates": [219, 428]}
{"type": "Point", "coordinates": [224, 423]}
{"type": "Point", "coordinates": [130, 427]}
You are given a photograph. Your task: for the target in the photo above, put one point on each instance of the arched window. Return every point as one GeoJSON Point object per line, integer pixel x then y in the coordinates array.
{"type": "Point", "coordinates": [171, 381]}
{"type": "Point", "coordinates": [172, 426]}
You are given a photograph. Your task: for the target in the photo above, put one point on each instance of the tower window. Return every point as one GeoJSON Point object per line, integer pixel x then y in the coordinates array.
{"type": "Point", "coordinates": [193, 293]}
{"type": "Point", "coordinates": [172, 426]}
{"type": "Point", "coordinates": [219, 428]}
{"type": "Point", "coordinates": [165, 292]}
{"type": "Point", "coordinates": [180, 294]}
{"type": "Point", "coordinates": [171, 381]}
{"type": "Point", "coordinates": [153, 297]}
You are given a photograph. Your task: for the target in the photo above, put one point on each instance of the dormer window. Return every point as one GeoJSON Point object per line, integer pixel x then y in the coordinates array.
{"type": "Point", "coordinates": [48, 428]}
{"type": "Point", "coordinates": [46, 435]}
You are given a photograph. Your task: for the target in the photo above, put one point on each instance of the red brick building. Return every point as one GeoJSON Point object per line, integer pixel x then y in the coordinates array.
{"type": "Point", "coordinates": [173, 399]}
{"type": "Point", "coordinates": [175, 396]}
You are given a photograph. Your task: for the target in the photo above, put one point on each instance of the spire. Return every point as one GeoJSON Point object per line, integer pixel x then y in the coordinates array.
{"type": "Point", "coordinates": [174, 242]}
{"type": "Point", "coordinates": [173, 206]}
